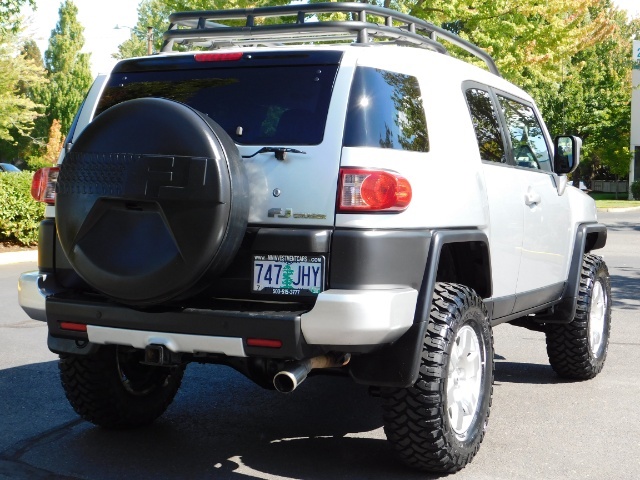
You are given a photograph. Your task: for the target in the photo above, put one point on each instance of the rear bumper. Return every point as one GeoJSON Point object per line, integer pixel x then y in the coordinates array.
{"type": "Point", "coordinates": [225, 330]}
{"type": "Point", "coordinates": [340, 318]}
{"type": "Point", "coordinates": [360, 317]}
{"type": "Point", "coordinates": [373, 283]}
{"type": "Point", "coordinates": [32, 294]}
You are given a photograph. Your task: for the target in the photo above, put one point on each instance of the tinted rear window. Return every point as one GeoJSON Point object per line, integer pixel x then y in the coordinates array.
{"type": "Point", "coordinates": [266, 105]}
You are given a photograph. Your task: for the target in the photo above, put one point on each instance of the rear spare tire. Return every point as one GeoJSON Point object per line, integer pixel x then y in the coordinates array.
{"type": "Point", "coordinates": [152, 201]}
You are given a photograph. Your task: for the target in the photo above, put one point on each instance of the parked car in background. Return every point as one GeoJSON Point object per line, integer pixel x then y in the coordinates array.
{"type": "Point", "coordinates": [7, 167]}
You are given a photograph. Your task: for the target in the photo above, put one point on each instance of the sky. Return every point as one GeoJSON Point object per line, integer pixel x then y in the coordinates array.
{"type": "Point", "coordinates": [99, 20]}
{"type": "Point", "coordinates": [632, 6]}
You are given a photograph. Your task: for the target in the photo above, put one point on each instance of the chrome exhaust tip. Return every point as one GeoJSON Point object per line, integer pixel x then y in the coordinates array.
{"type": "Point", "coordinates": [288, 379]}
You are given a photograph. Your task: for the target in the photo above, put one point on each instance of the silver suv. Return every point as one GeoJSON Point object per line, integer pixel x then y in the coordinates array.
{"type": "Point", "coordinates": [314, 194]}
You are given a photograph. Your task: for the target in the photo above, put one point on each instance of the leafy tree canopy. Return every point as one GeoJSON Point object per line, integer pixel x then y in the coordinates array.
{"type": "Point", "coordinates": [68, 69]}
{"type": "Point", "coordinates": [19, 73]}
{"type": "Point", "coordinates": [9, 14]}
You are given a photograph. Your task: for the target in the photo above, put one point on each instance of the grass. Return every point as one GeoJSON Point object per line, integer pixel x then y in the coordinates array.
{"type": "Point", "coordinates": [608, 200]}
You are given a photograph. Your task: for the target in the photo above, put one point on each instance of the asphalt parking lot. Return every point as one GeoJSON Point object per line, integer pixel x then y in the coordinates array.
{"type": "Point", "coordinates": [222, 426]}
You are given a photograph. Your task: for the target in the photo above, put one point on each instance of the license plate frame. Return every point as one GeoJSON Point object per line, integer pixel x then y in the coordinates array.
{"type": "Point", "coordinates": [285, 275]}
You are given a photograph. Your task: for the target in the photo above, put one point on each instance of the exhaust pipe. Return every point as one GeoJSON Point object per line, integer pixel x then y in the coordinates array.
{"type": "Point", "coordinates": [288, 379]}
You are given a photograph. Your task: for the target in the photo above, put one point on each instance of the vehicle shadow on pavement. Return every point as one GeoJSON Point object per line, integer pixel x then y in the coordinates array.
{"type": "Point", "coordinates": [219, 426]}
{"type": "Point", "coordinates": [623, 227]}
{"type": "Point", "coordinates": [625, 288]}
{"type": "Point", "coordinates": [531, 373]}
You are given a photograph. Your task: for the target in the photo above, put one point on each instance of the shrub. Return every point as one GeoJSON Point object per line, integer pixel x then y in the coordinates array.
{"type": "Point", "coordinates": [635, 189]}
{"type": "Point", "coordinates": [20, 214]}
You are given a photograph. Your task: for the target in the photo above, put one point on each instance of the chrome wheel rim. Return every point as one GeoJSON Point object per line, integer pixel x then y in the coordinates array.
{"type": "Point", "coordinates": [464, 380]}
{"type": "Point", "coordinates": [597, 314]}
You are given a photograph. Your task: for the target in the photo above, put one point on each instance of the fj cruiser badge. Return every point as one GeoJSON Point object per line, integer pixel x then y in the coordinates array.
{"type": "Point", "coordinates": [288, 213]}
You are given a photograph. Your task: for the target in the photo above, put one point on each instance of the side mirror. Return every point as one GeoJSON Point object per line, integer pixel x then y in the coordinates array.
{"type": "Point", "coordinates": [567, 156]}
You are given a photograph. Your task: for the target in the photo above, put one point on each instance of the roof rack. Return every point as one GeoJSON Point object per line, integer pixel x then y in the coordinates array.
{"type": "Point", "coordinates": [198, 28]}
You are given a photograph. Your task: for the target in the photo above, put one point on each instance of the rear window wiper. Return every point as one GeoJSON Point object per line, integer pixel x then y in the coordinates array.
{"type": "Point", "coordinates": [280, 152]}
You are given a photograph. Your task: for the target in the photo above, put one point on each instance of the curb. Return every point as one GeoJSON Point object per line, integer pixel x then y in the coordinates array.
{"type": "Point", "coordinates": [25, 256]}
{"type": "Point", "coordinates": [619, 210]}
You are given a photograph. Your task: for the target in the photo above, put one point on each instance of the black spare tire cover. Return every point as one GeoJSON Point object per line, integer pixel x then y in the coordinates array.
{"type": "Point", "coordinates": [152, 201]}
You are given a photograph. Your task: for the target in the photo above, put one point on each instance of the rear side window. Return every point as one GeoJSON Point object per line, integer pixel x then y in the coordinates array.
{"type": "Point", "coordinates": [486, 125]}
{"type": "Point", "coordinates": [266, 105]}
{"type": "Point", "coordinates": [385, 110]}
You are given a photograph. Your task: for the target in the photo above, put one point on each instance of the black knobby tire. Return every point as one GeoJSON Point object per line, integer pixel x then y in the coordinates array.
{"type": "Point", "coordinates": [113, 390]}
{"type": "Point", "coordinates": [578, 350]}
{"type": "Point", "coordinates": [417, 420]}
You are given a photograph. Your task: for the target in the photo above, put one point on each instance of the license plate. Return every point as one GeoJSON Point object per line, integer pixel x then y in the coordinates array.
{"type": "Point", "coordinates": [288, 274]}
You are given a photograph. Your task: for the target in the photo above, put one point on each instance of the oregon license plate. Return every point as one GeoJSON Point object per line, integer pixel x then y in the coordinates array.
{"type": "Point", "coordinates": [288, 274]}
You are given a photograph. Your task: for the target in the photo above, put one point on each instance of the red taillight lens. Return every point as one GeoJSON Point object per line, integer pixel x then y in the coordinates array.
{"type": "Point", "coordinates": [264, 342]}
{"type": "Point", "coordinates": [218, 57]}
{"type": "Point", "coordinates": [43, 185]}
{"type": "Point", "coordinates": [74, 327]}
{"type": "Point", "coordinates": [363, 190]}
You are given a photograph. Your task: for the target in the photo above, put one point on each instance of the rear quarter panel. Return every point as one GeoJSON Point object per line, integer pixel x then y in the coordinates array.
{"type": "Point", "coordinates": [447, 181]}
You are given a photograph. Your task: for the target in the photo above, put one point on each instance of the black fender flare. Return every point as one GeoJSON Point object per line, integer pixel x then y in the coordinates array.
{"type": "Point", "coordinates": [589, 236]}
{"type": "Point", "coordinates": [397, 364]}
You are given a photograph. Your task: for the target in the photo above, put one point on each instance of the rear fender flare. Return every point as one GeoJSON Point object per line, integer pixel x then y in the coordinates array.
{"type": "Point", "coordinates": [402, 371]}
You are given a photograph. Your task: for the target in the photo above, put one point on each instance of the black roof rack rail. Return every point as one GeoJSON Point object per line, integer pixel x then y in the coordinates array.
{"type": "Point", "coordinates": [198, 28]}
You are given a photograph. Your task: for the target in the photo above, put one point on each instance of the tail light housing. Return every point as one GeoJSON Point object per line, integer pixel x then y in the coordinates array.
{"type": "Point", "coordinates": [371, 190]}
{"type": "Point", "coordinates": [43, 185]}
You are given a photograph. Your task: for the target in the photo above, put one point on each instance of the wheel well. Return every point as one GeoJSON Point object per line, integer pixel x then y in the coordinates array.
{"type": "Point", "coordinates": [466, 263]}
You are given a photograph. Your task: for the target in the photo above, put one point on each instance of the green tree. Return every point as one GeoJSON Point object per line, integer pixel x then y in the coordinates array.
{"type": "Point", "coordinates": [526, 37]}
{"type": "Point", "coordinates": [23, 146]}
{"type": "Point", "coordinates": [10, 20]}
{"type": "Point", "coordinates": [68, 69]}
{"type": "Point", "coordinates": [31, 51]}
{"type": "Point", "coordinates": [48, 155]}
{"type": "Point", "coordinates": [593, 98]}
{"type": "Point", "coordinates": [19, 73]}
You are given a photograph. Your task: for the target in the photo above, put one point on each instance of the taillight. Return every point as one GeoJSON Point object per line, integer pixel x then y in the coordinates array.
{"type": "Point", "coordinates": [218, 57]}
{"type": "Point", "coordinates": [43, 185]}
{"type": "Point", "coordinates": [366, 190]}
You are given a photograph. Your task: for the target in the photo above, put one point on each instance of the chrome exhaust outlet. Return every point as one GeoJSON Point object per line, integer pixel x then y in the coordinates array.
{"type": "Point", "coordinates": [288, 379]}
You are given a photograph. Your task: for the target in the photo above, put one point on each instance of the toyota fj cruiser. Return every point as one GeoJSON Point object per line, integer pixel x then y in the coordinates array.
{"type": "Point", "coordinates": [314, 194]}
